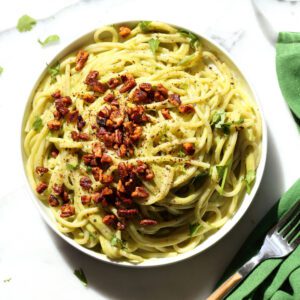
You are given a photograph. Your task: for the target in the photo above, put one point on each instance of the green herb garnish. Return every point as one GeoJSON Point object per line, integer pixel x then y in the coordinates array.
{"type": "Point", "coordinates": [25, 23]}
{"type": "Point", "coordinates": [71, 167]}
{"type": "Point", "coordinates": [116, 242]}
{"type": "Point", "coordinates": [54, 71]}
{"type": "Point", "coordinates": [218, 121]}
{"type": "Point", "coordinates": [81, 276]}
{"type": "Point", "coordinates": [89, 169]}
{"type": "Point", "coordinates": [250, 177]}
{"type": "Point", "coordinates": [154, 44]}
{"type": "Point", "coordinates": [193, 38]}
{"type": "Point", "coordinates": [37, 124]}
{"type": "Point", "coordinates": [1, 70]}
{"type": "Point", "coordinates": [222, 174]}
{"type": "Point", "coordinates": [49, 40]}
{"type": "Point", "coordinates": [187, 59]}
{"type": "Point", "coordinates": [144, 25]}
{"type": "Point", "coordinates": [194, 228]}
{"type": "Point", "coordinates": [181, 153]}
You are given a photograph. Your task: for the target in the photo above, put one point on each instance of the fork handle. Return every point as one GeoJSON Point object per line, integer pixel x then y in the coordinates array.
{"type": "Point", "coordinates": [226, 287]}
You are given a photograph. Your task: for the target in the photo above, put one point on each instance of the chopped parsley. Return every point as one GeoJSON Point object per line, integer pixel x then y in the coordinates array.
{"type": "Point", "coordinates": [154, 44]}
{"type": "Point", "coordinates": [89, 169]}
{"type": "Point", "coordinates": [37, 124]}
{"type": "Point", "coordinates": [250, 177]}
{"type": "Point", "coordinates": [71, 167]}
{"type": "Point", "coordinates": [222, 174]}
{"type": "Point", "coordinates": [193, 38]}
{"type": "Point", "coordinates": [1, 70]}
{"type": "Point", "coordinates": [144, 25]}
{"type": "Point", "coordinates": [194, 229]}
{"type": "Point", "coordinates": [54, 71]}
{"type": "Point", "coordinates": [116, 242]}
{"type": "Point", "coordinates": [218, 121]}
{"type": "Point", "coordinates": [49, 40]}
{"type": "Point", "coordinates": [181, 153]}
{"type": "Point", "coordinates": [81, 276]}
{"type": "Point", "coordinates": [25, 23]}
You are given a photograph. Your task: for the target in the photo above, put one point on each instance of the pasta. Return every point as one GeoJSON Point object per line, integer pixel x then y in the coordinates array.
{"type": "Point", "coordinates": [143, 143]}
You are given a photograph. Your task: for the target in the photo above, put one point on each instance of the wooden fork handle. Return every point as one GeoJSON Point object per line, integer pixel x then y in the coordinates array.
{"type": "Point", "coordinates": [226, 287]}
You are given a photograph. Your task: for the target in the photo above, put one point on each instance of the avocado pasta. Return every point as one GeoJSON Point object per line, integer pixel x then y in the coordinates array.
{"type": "Point", "coordinates": [143, 143]}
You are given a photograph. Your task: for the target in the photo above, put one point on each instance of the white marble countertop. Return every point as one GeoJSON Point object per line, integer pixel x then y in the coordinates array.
{"type": "Point", "coordinates": [39, 263]}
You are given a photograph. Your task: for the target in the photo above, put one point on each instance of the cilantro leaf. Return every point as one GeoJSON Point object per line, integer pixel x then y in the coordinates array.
{"type": "Point", "coordinates": [49, 40]}
{"type": "Point", "coordinates": [116, 242]}
{"type": "Point", "coordinates": [194, 229]}
{"type": "Point", "coordinates": [81, 276]}
{"type": "Point", "coordinates": [154, 44]}
{"type": "Point", "coordinates": [144, 25]}
{"type": "Point", "coordinates": [222, 173]}
{"type": "Point", "coordinates": [193, 38]}
{"type": "Point", "coordinates": [71, 167]}
{"type": "Point", "coordinates": [37, 124]}
{"type": "Point", "coordinates": [25, 23]}
{"type": "Point", "coordinates": [250, 177]}
{"type": "Point", "coordinates": [1, 70]}
{"type": "Point", "coordinates": [218, 121]}
{"type": "Point", "coordinates": [54, 71]}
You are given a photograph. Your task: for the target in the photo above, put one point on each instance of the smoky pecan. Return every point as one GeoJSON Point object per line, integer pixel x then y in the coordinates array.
{"type": "Point", "coordinates": [109, 97]}
{"type": "Point", "coordinates": [148, 222]}
{"type": "Point", "coordinates": [53, 201]}
{"type": "Point", "coordinates": [188, 148]}
{"type": "Point", "coordinates": [80, 123]}
{"type": "Point", "coordinates": [137, 114]}
{"type": "Point", "coordinates": [120, 187]}
{"type": "Point", "coordinates": [97, 149]}
{"type": "Point", "coordinates": [88, 158]}
{"type": "Point", "coordinates": [127, 213]}
{"type": "Point", "coordinates": [97, 172]}
{"type": "Point", "coordinates": [139, 96]}
{"type": "Point", "coordinates": [85, 199]}
{"type": "Point", "coordinates": [139, 192]}
{"type": "Point", "coordinates": [54, 153]}
{"type": "Point", "coordinates": [128, 83]}
{"type": "Point", "coordinates": [81, 58]}
{"type": "Point", "coordinates": [65, 197]}
{"type": "Point", "coordinates": [57, 189]}
{"type": "Point", "coordinates": [108, 139]}
{"type": "Point", "coordinates": [99, 87]}
{"type": "Point", "coordinates": [41, 187]}
{"type": "Point", "coordinates": [166, 114]}
{"type": "Point", "coordinates": [88, 98]}
{"type": "Point", "coordinates": [96, 198]}
{"type": "Point", "coordinates": [114, 82]}
{"type": "Point", "coordinates": [41, 170]}
{"type": "Point", "coordinates": [105, 178]}
{"type": "Point", "coordinates": [124, 31]}
{"type": "Point", "coordinates": [106, 191]}
{"type": "Point", "coordinates": [137, 133]}
{"type": "Point", "coordinates": [106, 159]}
{"type": "Point", "coordinates": [72, 116]}
{"type": "Point", "coordinates": [110, 220]}
{"type": "Point", "coordinates": [117, 118]}
{"type": "Point", "coordinates": [85, 182]}
{"type": "Point", "coordinates": [174, 99]}
{"type": "Point", "coordinates": [186, 109]}
{"type": "Point", "coordinates": [146, 87]}
{"type": "Point", "coordinates": [54, 125]}
{"type": "Point", "coordinates": [56, 94]}
{"type": "Point", "coordinates": [104, 112]}
{"type": "Point", "coordinates": [91, 78]}
{"type": "Point", "coordinates": [122, 151]}
{"type": "Point", "coordinates": [67, 210]}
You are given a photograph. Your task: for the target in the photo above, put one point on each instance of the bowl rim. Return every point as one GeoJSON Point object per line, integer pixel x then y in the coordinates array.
{"type": "Point", "coordinates": [212, 239]}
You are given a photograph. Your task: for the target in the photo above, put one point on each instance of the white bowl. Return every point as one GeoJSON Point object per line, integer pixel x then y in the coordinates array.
{"type": "Point", "coordinates": [211, 240]}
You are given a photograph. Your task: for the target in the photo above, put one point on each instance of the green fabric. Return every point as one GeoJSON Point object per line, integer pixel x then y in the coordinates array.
{"type": "Point", "coordinates": [276, 279]}
{"type": "Point", "coordinates": [288, 70]}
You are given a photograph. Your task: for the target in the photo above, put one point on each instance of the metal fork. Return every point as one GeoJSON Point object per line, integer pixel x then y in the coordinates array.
{"type": "Point", "coordinates": [280, 241]}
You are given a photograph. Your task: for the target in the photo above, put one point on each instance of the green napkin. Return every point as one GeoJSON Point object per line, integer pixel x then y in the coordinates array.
{"type": "Point", "coordinates": [288, 70]}
{"type": "Point", "coordinates": [276, 279]}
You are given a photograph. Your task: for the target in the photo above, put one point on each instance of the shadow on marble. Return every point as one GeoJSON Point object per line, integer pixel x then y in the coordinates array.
{"type": "Point", "coordinates": [190, 279]}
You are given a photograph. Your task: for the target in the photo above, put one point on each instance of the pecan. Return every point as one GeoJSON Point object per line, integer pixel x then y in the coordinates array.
{"type": "Point", "coordinates": [121, 187]}
{"type": "Point", "coordinates": [118, 137]}
{"type": "Point", "coordinates": [120, 226]}
{"type": "Point", "coordinates": [106, 192]}
{"type": "Point", "coordinates": [53, 201]}
{"type": "Point", "coordinates": [117, 118]}
{"type": "Point", "coordinates": [166, 114]}
{"type": "Point", "coordinates": [175, 99]}
{"type": "Point", "coordinates": [41, 187]}
{"type": "Point", "coordinates": [80, 123]}
{"type": "Point", "coordinates": [66, 101]}
{"type": "Point", "coordinates": [72, 116]}
{"type": "Point", "coordinates": [67, 210]}
{"type": "Point", "coordinates": [56, 115]}
{"type": "Point", "coordinates": [108, 139]}
{"type": "Point", "coordinates": [81, 58]}
{"type": "Point", "coordinates": [88, 158]}
{"type": "Point", "coordinates": [146, 87]}
{"type": "Point", "coordinates": [109, 97]}
{"type": "Point", "coordinates": [41, 170]}
{"type": "Point", "coordinates": [149, 174]}
{"type": "Point", "coordinates": [101, 122]}
{"type": "Point", "coordinates": [186, 109]}
{"type": "Point", "coordinates": [104, 178]}
{"type": "Point", "coordinates": [56, 94]}
{"type": "Point", "coordinates": [54, 125]}
{"type": "Point", "coordinates": [122, 170]}
{"type": "Point", "coordinates": [129, 83]}
{"type": "Point", "coordinates": [96, 197]}
{"type": "Point", "coordinates": [97, 172]}
{"type": "Point", "coordinates": [92, 81]}
{"type": "Point", "coordinates": [137, 114]}
{"type": "Point", "coordinates": [162, 90]}
{"type": "Point", "coordinates": [140, 192]}
{"type": "Point", "coordinates": [99, 87]}
{"type": "Point", "coordinates": [76, 136]}
{"type": "Point", "coordinates": [148, 222]}
{"type": "Point", "coordinates": [137, 133]}
{"type": "Point", "coordinates": [97, 149]}
{"type": "Point", "coordinates": [188, 148]}
{"type": "Point", "coordinates": [88, 98]}
{"type": "Point", "coordinates": [122, 151]}
{"type": "Point", "coordinates": [124, 31]}
{"type": "Point", "coordinates": [91, 78]}
{"type": "Point", "coordinates": [110, 220]}
{"type": "Point", "coordinates": [85, 199]}
{"type": "Point", "coordinates": [128, 213]}
{"type": "Point", "coordinates": [106, 159]}
{"type": "Point", "coordinates": [65, 197]}
{"type": "Point", "coordinates": [104, 112]}
{"type": "Point", "coordinates": [114, 82]}
{"type": "Point", "coordinates": [139, 96]}
{"type": "Point", "coordinates": [57, 189]}
{"type": "Point", "coordinates": [85, 182]}
{"type": "Point", "coordinates": [54, 153]}
{"type": "Point", "coordinates": [144, 170]}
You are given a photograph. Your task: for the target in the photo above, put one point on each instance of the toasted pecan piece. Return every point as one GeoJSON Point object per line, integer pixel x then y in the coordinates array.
{"type": "Point", "coordinates": [41, 170]}
{"type": "Point", "coordinates": [124, 31]}
{"type": "Point", "coordinates": [166, 113]}
{"type": "Point", "coordinates": [114, 82]}
{"type": "Point", "coordinates": [53, 201]}
{"type": "Point", "coordinates": [128, 83]}
{"type": "Point", "coordinates": [88, 98]}
{"type": "Point", "coordinates": [174, 99]}
{"type": "Point", "coordinates": [148, 222]}
{"type": "Point", "coordinates": [146, 87]}
{"type": "Point", "coordinates": [188, 148]}
{"type": "Point", "coordinates": [67, 210]}
{"type": "Point", "coordinates": [139, 192]}
{"type": "Point", "coordinates": [139, 96]}
{"type": "Point", "coordinates": [85, 182]}
{"type": "Point", "coordinates": [186, 109]}
{"type": "Point", "coordinates": [41, 187]}
{"type": "Point", "coordinates": [86, 199]}
{"type": "Point", "coordinates": [127, 213]}
{"type": "Point", "coordinates": [54, 125]}
{"type": "Point", "coordinates": [81, 58]}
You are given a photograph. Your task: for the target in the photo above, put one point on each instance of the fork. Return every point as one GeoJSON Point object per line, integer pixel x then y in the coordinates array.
{"type": "Point", "coordinates": [280, 241]}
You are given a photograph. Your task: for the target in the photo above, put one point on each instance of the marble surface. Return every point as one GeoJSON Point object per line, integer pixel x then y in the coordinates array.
{"type": "Point", "coordinates": [39, 264]}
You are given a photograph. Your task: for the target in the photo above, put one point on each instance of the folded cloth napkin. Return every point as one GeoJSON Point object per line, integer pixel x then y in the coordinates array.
{"type": "Point", "coordinates": [288, 70]}
{"type": "Point", "coordinates": [276, 279]}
